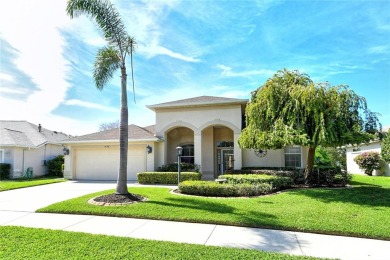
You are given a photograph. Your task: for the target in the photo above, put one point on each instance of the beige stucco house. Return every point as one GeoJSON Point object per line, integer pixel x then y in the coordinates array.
{"type": "Point", "coordinates": [24, 145]}
{"type": "Point", "coordinates": [206, 127]}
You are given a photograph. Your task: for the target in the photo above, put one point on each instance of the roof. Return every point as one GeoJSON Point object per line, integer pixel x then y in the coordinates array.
{"type": "Point", "coordinates": [199, 101]}
{"type": "Point", "coordinates": [136, 133]}
{"type": "Point", "coordinates": [25, 134]}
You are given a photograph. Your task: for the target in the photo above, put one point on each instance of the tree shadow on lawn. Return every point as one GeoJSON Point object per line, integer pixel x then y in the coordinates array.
{"type": "Point", "coordinates": [369, 195]}
{"type": "Point", "coordinates": [250, 218]}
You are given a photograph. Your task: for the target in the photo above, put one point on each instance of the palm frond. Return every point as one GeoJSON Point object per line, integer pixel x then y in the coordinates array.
{"type": "Point", "coordinates": [105, 15]}
{"type": "Point", "coordinates": [106, 63]}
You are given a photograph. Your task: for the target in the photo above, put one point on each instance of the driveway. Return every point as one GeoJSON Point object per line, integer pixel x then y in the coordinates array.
{"type": "Point", "coordinates": [32, 198]}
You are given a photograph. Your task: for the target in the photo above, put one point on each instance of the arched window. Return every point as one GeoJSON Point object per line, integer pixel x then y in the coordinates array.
{"type": "Point", "coordinates": [187, 153]}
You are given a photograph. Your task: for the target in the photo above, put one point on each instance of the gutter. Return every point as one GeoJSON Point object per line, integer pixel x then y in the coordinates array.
{"type": "Point", "coordinates": [111, 141]}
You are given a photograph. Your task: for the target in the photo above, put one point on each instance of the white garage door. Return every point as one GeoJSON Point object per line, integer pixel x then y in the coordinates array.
{"type": "Point", "coordinates": [103, 163]}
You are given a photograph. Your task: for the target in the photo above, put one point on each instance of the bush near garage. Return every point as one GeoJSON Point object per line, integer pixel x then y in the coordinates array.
{"type": "Point", "coordinates": [276, 182]}
{"type": "Point", "coordinates": [55, 166]}
{"type": "Point", "coordinates": [215, 189]}
{"type": "Point", "coordinates": [166, 177]}
{"type": "Point", "coordinates": [5, 170]}
{"type": "Point", "coordinates": [368, 162]}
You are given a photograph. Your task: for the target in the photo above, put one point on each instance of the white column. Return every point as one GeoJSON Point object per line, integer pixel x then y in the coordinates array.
{"type": "Point", "coordinates": [237, 153]}
{"type": "Point", "coordinates": [198, 149]}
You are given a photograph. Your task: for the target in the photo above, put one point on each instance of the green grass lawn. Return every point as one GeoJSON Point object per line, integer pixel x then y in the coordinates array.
{"type": "Point", "coordinates": [29, 243]}
{"type": "Point", "coordinates": [23, 183]}
{"type": "Point", "coordinates": [361, 211]}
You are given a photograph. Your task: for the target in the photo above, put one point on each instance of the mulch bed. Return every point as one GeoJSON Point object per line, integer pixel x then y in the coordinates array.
{"type": "Point", "coordinates": [116, 199]}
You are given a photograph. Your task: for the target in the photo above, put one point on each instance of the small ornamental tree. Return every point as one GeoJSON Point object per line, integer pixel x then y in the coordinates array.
{"type": "Point", "coordinates": [386, 148]}
{"type": "Point", "coordinates": [290, 109]}
{"type": "Point", "coordinates": [368, 161]}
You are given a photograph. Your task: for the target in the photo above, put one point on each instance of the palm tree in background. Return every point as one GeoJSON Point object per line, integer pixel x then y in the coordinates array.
{"type": "Point", "coordinates": [108, 60]}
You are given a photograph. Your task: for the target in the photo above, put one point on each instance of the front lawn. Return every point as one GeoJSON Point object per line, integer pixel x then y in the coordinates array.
{"type": "Point", "coordinates": [23, 183]}
{"type": "Point", "coordinates": [31, 243]}
{"type": "Point", "coordinates": [361, 211]}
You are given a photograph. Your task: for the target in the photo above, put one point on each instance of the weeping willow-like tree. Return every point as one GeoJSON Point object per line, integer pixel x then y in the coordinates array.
{"type": "Point", "coordinates": [290, 109]}
{"type": "Point", "coordinates": [108, 60]}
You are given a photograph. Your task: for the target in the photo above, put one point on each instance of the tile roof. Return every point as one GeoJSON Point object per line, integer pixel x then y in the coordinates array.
{"type": "Point", "coordinates": [135, 133]}
{"type": "Point", "coordinates": [199, 101]}
{"type": "Point", "coordinates": [25, 134]}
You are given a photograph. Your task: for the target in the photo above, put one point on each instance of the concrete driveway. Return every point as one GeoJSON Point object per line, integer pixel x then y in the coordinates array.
{"type": "Point", "coordinates": [32, 198]}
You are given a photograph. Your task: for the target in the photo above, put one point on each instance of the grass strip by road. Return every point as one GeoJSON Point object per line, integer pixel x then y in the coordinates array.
{"type": "Point", "coordinates": [360, 211]}
{"type": "Point", "coordinates": [23, 183]}
{"type": "Point", "coordinates": [30, 243]}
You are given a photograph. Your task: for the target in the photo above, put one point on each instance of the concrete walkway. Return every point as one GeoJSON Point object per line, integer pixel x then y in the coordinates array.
{"type": "Point", "coordinates": [17, 208]}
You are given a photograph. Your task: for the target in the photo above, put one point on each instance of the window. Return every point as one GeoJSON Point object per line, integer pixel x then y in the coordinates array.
{"type": "Point", "coordinates": [187, 155]}
{"type": "Point", "coordinates": [225, 144]}
{"type": "Point", "coordinates": [292, 156]}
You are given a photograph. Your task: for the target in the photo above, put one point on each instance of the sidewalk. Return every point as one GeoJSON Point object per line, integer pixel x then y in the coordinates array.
{"type": "Point", "coordinates": [295, 243]}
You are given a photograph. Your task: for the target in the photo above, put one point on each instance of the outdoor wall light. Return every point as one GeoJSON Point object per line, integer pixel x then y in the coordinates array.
{"type": "Point", "coordinates": [149, 149]}
{"type": "Point", "coordinates": [65, 151]}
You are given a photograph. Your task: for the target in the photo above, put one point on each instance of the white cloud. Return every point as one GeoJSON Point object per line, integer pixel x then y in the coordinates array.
{"type": "Point", "coordinates": [34, 34]}
{"type": "Point", "coordinates": [6, 77]}
{"type": "Point", "coordinates": [146, 25]}
{"type": "Point", "coordinates": [153, 50]}
{"type": "Point", "coordinates": [381, 49]}
{"type": "Point", "coordinates": [228, 72]}
{"type": "Point", "coordinates": [86, 104]}
{"type": "Point", "coordinates": [12, 91]}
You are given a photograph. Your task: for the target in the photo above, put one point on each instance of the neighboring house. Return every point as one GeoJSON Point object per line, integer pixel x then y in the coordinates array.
{"type": "Point", "coordinates": [353, 151]}
{"type": "Point", "coordinates": [25, 145]}
{"type": "Point", "coordinates": [206, 127]}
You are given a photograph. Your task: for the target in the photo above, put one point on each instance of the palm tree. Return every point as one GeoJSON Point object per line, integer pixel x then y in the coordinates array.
{"type": "Point", "coordinates": [108, 60]}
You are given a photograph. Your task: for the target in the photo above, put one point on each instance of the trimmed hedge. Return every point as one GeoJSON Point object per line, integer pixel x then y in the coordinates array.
{"type": "Point", "coordinates": [297, 175]}
{"type": "Point", "coordinates": [166, 177]}
{"type": "Point", "coordinates": [5, 170]}
{"type": "Point", "coordinates": [277, 182]}
{"type": "Point", "coordinates": [215, 189]}
{"type": "Point", "coordinates": [184, 167]}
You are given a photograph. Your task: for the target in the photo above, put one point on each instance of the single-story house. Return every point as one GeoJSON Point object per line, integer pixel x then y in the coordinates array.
{"type": "Point", "coordinates": [353, 151]}
{"type": "Point", "coordinates": [24, 145]}
{"type": "Point", "coordinates": [206, 127]}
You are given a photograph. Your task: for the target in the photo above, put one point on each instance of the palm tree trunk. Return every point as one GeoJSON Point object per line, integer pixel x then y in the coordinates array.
{"type": "Point", "coordinates": [121, 186]}
{"type": "Point", "coordinates": [310, 162]}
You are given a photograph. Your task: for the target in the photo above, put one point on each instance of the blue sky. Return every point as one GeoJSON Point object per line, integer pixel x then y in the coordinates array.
{"type": "Point", "coordinates": [185, 49]}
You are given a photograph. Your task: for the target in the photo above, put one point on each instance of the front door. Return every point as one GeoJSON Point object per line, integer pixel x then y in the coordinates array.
{"type": "Point", "coordinates": [225, 160]}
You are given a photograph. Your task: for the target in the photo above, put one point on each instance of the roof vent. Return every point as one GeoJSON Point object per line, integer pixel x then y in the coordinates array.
{"type": "Point", "coordinates": [39, 128]}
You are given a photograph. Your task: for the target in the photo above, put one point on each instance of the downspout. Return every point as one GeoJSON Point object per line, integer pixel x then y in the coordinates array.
{"type": "Point", "coordinates": [22, 163]}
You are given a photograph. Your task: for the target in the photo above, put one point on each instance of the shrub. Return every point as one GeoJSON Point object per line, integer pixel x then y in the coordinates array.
{"type": "Point", "coordinates": [215, 189]}
{"type": "Point", "coordinates": [55, 166]}
{"type": "Point", "coordinates": [166, 177]}
{"type": "Point", "coordinates": [297, 175]}
{"type": "Point", "coordinates": [185, 167]}
{"type": "Point", "coordinates": [5, 170]}
{"type": "Point", "coordinates": [328, 176]}
{"type": "Point", "coordinates": [368, 162]}
{"type": "Point", "coordinates": [276, 182]}
{"type": "Point", "coordinates": [385, 153]}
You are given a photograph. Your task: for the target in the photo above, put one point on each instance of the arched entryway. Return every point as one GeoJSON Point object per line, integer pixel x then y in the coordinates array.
{"type": "Point", "coordinates": [180, 136]}
{"type": "Point", "coordinates": [217, 150]}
